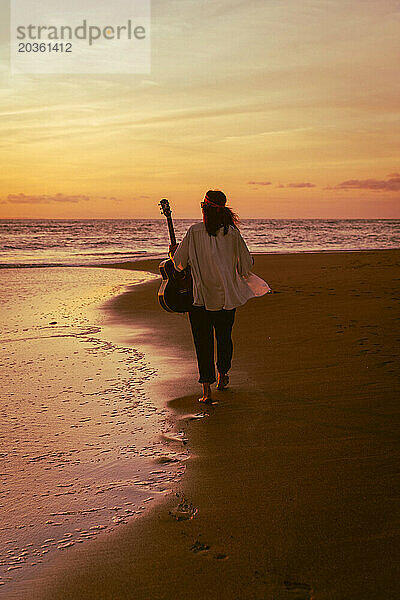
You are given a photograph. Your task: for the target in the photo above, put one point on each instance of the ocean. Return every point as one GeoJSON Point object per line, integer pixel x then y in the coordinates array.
{"type": "Point", "coordinates": [25, 242]}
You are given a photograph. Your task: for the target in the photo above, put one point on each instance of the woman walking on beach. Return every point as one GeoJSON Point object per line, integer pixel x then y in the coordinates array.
{"type": "Point", "coordinates": [220, 264]}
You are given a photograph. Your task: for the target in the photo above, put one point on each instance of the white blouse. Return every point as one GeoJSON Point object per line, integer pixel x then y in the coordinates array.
{"type": "Point", "coordinates": [220, 267]}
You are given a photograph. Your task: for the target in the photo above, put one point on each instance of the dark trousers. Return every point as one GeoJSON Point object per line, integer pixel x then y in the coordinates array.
{"type": "Point", "coordinates": [204, 323]}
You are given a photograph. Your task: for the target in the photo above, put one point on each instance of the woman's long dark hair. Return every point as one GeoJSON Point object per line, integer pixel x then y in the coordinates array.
{"type": "Point", "coordinates": [215, 217]}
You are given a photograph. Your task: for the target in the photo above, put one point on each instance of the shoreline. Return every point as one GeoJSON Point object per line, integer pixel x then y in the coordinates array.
{"type": "Point", "coordinates": [162, 256]}
{"type": "Point", "coordinates": [318, 433]}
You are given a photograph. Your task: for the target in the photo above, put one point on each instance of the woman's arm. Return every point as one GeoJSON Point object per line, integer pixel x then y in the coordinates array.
{"type": "Point", "coordinates": [180, 257]}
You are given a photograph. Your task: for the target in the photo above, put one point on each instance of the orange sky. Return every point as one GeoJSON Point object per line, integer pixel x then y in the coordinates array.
{"type": "Point", "coordinates": [291, 108]}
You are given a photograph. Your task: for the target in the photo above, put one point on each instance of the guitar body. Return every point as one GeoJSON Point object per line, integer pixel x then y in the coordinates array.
{"type": "Point", "coordinates": [176, 291]}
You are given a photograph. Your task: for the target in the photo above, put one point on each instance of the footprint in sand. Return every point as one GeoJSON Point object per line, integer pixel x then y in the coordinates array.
{"type": "Point", "coordinates": [198, 546]}
{"type": "Point", "coordinates": [185, 511]}
{"type": "Point", "coordinates": [297, 591]}
{"type": "Point", "coordinates": [194, 417]}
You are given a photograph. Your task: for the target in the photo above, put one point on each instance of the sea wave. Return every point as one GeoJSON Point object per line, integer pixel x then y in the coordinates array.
{"type": "Point", "coordinates": [28, 243]}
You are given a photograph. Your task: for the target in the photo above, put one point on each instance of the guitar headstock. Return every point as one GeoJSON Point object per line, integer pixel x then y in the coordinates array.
{"type": "Point", "coordinates": [165, 208]}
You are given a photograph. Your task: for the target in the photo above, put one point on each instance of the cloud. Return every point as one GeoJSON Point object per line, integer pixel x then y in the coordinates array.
{"type": "Point", "coordinates": [147, 83]}
{"type": "Point", "coordinates": [198, 113]}
{"type": "Point", "coordinates": [387, 185]}
{"type": "Point", "coordinates": [259, 183]}
{"type": "Point", "coordinates": [289, 185]}
{"type": "Point", "coordinates": [44, 199]}
{"type": "Point", "coordinates": [300, 185]}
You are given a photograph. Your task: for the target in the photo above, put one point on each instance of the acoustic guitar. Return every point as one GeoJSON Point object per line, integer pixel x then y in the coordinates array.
{"type": "Point", "coordinates": [176, 291]}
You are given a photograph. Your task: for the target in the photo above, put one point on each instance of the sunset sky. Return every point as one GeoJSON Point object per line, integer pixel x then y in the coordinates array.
{"type": "Point", "coordinates": [291, 107]}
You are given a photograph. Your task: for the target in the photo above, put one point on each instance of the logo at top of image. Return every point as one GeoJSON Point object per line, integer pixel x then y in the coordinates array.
{"type": "Point", "coordinates": [84, 31]}
{"type": "Point", "coordinates": [94, 36]}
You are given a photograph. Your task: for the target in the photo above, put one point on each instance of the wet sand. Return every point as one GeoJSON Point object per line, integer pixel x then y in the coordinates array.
{"type": "Point", "coordinates": [79, 435]}
{"type": "Point", "coordinates": [290, 492]}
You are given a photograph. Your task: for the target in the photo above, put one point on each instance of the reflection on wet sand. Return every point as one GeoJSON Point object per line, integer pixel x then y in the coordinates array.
{"type": "Point", "coordinates": [80, 450]}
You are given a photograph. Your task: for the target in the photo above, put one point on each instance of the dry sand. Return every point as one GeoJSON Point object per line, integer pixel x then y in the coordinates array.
{"type": "Point", "coordinates": [293, 477]}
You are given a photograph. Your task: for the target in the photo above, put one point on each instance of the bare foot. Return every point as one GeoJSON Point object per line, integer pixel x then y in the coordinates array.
{"type": "Point", "coordinates": [223, 381]}
{"type": "Point", "coordinates": [206, 397]}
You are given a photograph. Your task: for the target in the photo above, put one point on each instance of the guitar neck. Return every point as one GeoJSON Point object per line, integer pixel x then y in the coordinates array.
{"type": "Point", "coordinates": [171, 230]}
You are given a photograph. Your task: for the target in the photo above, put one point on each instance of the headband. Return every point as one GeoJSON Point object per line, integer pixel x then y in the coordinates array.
{"type": "Point", "coordinates": [207, 201]}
